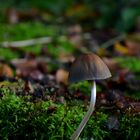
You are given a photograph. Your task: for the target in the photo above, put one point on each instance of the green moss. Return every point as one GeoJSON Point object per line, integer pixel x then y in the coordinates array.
{"type": "Point", "coordinates": [23, 31]}
{"type": "Point", "coordinates": [84, 87]}
{"type": "Point", "coordinates": [48, 120]}
{"type": "Point", "coordinates": [35, 49]}
{"type": "Point", "coordinates": [7, 54]}
{"type": "Point", "coordinates": [129, 128]}
{"type": "Point", "coordinates": [132, 63]}
{"type": "Point", "coordinates": [134, 95]}
{"type": "Point", "coordinates": [61, 47]}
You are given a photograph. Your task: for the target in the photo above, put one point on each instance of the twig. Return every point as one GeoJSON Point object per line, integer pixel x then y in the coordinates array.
{"type": "Point", "coordinates": [41, 40]}
{"type": "Point", "coordinates": [105, 45]}
{"type": "Point", "coordinates": [112, 41]}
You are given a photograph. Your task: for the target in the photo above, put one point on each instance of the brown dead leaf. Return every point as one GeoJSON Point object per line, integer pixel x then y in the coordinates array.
{"type": "Point", "coordinates": [43, 66]}
{"type": "Point", "coordinates": [118, 99]}
{"type": "Point", "coordinates": [135, 107]}
{"type": "Point", "coordinates": [79, 95]}
{"type": "Point", "coordinates": [28, 68]}
{"type": "Point", "coordinates": [122, 73]}
{"type": "Point", "coordinates": [25, 63]}
{"type": "Point", "coordinates": [112, 64]}
{"type": "Point", "coordinates": [66, 58]}
{"type": "Point", "coordinates": [133, 47]}
{"type": "Point", "coordinates": [62, 76]}
{"type": "Point", "coordinates": [13, 16]}
{"type": "Point", "coordinates": [5, 70]}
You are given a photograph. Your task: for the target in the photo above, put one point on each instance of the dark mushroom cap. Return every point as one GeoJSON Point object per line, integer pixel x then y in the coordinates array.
{"type": "Point", "coordinates": [88, 67]}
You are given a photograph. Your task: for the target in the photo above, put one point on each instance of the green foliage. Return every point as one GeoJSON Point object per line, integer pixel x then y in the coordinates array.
{"type": "Point", "coordinates": [132, 63]}
{"type": "Point", "coordinates": [23, 31]}
{"type": "Point", "coordinates": [14, 3]}
{"type": "Point", "coordinates": [29, 30]}
{"type": "Point", "coordinates": [56, 7]}
{"type": "Point", "coordinates": [121, 15]}
{"type": "Point", "coordinates": [7, 54]}
{"type": "Point", "coordinates": [63, 47]}
{"type": "Point", "coordinates": [128, 18]}
{"type": "Point", "coordinates": [35, 49]}
{"type": "Point", "coordinates": [135, 95]}
{"type": "Point", "coordinates": [53, 6]}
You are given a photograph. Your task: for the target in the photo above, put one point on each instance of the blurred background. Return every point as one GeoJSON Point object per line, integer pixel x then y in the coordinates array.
{"type": "Point", "coordinates": [121, 15]}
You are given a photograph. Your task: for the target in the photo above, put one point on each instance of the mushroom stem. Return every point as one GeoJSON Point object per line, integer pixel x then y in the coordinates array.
{"type": "Point", "coordinates": [88, 114]}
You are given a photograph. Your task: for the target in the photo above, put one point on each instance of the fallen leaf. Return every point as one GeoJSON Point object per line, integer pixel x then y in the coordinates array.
{"type": "Point", "coordinates": [6, 70]}
{"type": "Point", "coordinates": [112, 64]}
{"type": "Point", "coordinates": [13, 16]}
{"type": "Point", "coordinates": [25, 63]}
{"type": "Point", "coordinates": [28, 68]}
{"type": "Point", "coordinates": [119, 48]}
{"type": "Point", "coordinates": [133, 47]}
{"type": "Point", "coordinates": [65, 58]}
{"type": "Point", "coordinates": [135, 107]}
{"type": "Point", "coordinates": [62, 76]}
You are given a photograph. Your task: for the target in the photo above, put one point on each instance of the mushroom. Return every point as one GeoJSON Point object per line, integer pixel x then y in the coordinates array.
{"type": "Point", "coordinates": [88, 67]}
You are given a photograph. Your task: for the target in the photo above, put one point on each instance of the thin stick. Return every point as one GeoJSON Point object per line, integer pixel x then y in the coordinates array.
{"type": "Point", "coordinates": [23, 43]}
{"type": "Point", "coordinates": [88, 114]}
{"type": "Point", "coordinates": [112, 41]}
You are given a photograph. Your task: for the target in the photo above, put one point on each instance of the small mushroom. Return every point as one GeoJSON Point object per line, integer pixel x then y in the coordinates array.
{"type": "Point", "coordinates": [88, 67]}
